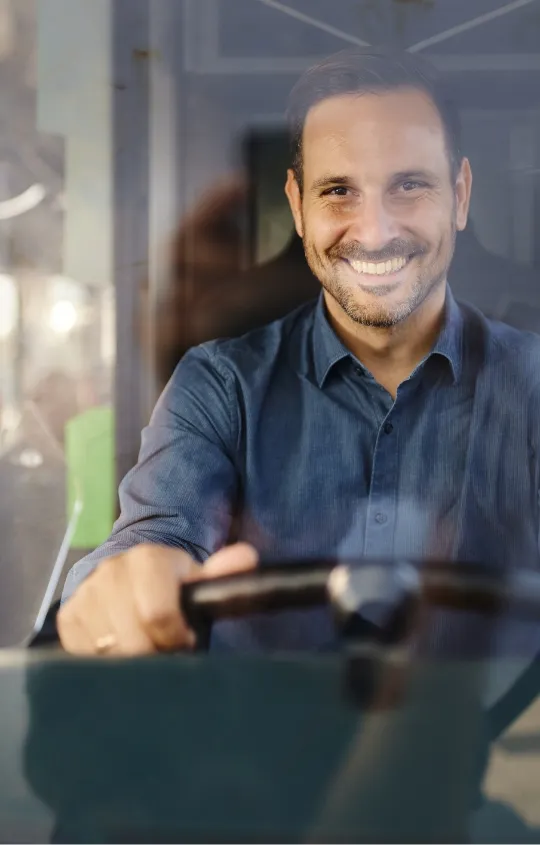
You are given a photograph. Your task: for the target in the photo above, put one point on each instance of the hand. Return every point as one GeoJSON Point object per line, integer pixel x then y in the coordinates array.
{"type": "Point", "coordinates": [130, 604]}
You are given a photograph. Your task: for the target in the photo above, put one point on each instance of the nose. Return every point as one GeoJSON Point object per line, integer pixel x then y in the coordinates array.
{"type": "Point", "coordinates": [373, 225]}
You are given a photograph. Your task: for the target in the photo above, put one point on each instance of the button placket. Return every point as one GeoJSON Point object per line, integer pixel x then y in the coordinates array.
{"type": "Point", "coordinates": [381, 512]}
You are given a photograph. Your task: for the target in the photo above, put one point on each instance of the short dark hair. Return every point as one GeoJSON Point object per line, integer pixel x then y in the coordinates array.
{"type": "Point", "coordinates": [370, 70]}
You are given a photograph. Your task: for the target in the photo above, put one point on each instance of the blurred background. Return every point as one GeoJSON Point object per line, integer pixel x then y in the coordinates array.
{"type": "Point", "coordinates": [143, 153]}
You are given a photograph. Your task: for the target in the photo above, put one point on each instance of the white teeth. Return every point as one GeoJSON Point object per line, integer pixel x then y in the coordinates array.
{"type": "Point", "coordinates": [380, 269]}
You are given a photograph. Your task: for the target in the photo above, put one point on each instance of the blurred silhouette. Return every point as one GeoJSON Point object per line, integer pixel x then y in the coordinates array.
{"type": "Point", "coordinates": [208, 294]}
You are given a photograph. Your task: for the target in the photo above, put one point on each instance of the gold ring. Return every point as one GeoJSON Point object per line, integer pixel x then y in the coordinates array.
{"type": "Point", "coordinates": [105, 643]}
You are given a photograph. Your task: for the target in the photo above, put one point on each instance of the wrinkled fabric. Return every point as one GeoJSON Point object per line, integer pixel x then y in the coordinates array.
{"type": "Point", "coordinates": [282, 438]}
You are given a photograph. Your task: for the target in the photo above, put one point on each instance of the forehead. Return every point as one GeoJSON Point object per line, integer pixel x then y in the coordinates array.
{"type": "Point", "coordinates": [391, 130]}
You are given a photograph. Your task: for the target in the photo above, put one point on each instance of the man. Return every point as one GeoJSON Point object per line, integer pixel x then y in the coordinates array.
{"type": "Point", "coordinates": [381, 420]}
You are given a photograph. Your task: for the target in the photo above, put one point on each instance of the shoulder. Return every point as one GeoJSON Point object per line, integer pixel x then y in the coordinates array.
{"type": "Point", "coordinates": [261, 349]}
{"type": "Point", "coordinates": [209, 380]}
{"type": "Point", "coordinates": [511, 353]}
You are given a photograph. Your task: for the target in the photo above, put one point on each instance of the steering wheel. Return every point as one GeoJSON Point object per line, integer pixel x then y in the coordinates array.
{"type": "Point", "coordinates": [377, 607]}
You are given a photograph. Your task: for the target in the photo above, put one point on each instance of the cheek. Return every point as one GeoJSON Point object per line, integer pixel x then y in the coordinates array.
{"type": "Point", "coordinates": [322, 230]}
{"type": "Point", "coordinates": [434, 226]}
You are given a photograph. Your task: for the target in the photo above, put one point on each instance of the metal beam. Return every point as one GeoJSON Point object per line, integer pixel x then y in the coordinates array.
{"type": "Point", "coordinates": [486, 62]}
{"type": "Point", "coordinates": [201, 44]}
{"type": "Point", "coordinates": [131, 59]}
{"type": "Point", "coordinates": [470, 24]}
{"type": "Point", "coordinates": [450, 63]}
{"type": "Point", "coordinates": [314, 22]}
{"type": "Point", "coordinates": [164, 156]}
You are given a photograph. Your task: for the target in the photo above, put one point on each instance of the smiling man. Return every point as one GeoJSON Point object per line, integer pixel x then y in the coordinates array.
{"type": "Point", "coordinates": [379, 225]}
{"type": "Point", "coordinates": [383, 419]}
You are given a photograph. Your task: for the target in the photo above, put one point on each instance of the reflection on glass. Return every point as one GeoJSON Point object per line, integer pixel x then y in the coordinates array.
{"type": "Point", "coordinates": [266, 747]}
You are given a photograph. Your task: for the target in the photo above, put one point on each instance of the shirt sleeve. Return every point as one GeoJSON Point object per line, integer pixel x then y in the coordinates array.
{"type": "Point", "coordinates": [182, 491]}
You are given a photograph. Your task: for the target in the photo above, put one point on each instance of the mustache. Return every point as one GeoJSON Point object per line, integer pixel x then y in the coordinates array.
{"type": "Point", "coordinates": [399, 248]}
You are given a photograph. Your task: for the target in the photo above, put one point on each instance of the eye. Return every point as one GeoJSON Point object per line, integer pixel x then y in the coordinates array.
{"type": "Point", "coordinates": [337, 191]}
{"type": "Point", "coordinates": [411, 186]}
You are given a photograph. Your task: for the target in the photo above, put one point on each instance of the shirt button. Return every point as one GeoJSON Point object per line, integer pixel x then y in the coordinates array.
{"type": "Point", "coordinates": [381, 518]}
{"type": "Point", "coordinates": [359, 371]}
{"type": "Point", "coordinates": [388, 428]}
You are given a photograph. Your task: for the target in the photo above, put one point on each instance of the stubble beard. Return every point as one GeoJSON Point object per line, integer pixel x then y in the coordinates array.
{"type": "Point", "coordinates": [429, 279]}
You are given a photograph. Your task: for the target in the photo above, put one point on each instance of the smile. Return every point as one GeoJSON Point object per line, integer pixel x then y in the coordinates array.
{"type": "Point", "coordinates": [381, 268]}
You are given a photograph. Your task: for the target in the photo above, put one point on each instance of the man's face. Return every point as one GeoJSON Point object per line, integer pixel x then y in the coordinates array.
{"type": "Point", "coordinates": [379, 208]}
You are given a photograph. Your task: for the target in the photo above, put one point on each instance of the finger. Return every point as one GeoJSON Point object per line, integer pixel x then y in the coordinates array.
{"type": "Point", "coordinates": [241, 557]}
{"type": "Point", "coordinates": [73, 636]}
{"type": "Point", "coordinates": [155, 573]}
{"type": "Point", "coordinates": [122, 617]}
{"type": "Point", "coordinates": [91, 608]}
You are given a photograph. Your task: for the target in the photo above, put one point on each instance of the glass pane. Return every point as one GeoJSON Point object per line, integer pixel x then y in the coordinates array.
{"type": "Point", "coordinates": [156, 147]}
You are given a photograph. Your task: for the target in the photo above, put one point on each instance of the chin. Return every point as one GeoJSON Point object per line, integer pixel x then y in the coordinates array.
{"type": "Point", "coordinates": [370, 310]}
{"type": "Point", "coordinates": [377, 319]}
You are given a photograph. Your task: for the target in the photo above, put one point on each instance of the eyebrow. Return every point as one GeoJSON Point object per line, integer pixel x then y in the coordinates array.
{"type": "Point", "coordinates": [402, 176]}
{"type": "Point", "coordinates": [329, 179]}
{"type": "Point", "coordinates": [423, 175]}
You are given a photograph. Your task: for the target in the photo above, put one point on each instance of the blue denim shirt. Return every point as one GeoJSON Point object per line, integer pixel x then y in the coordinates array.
{"type": "Point", "coordinates": [283, 438]}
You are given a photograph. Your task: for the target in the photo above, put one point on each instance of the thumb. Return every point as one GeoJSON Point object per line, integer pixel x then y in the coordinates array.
{"type": "Point", "coordinates": [241, 557]}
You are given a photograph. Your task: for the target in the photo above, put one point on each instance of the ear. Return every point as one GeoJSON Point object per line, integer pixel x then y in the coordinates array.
{"type": "Point", "coordinates": [463, 194]}
{"type": "Point", "coordinates": [292, 190]}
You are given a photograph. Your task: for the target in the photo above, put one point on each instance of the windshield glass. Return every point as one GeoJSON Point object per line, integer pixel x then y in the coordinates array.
{"type": "Point", "coordinates": [272, 267]}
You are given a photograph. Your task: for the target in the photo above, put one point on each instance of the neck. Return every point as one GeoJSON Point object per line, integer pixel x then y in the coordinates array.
{"type": "Point", "coordinates": [391, 354]}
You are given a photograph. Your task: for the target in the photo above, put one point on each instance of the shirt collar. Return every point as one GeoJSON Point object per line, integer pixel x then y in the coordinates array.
{"type": "Point", "coordinates": [450, 341]}
{"type": "Point", "coordinates": [328, 349]}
